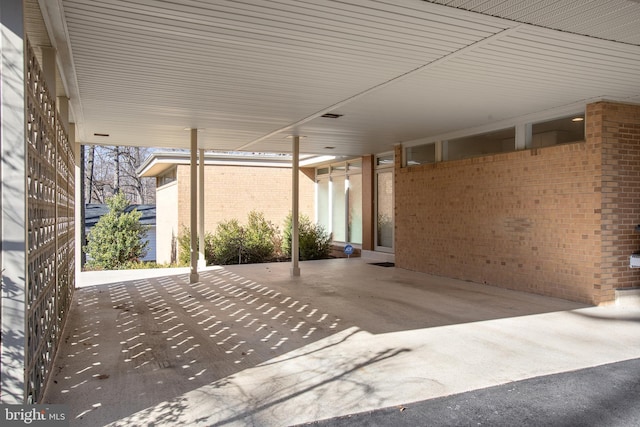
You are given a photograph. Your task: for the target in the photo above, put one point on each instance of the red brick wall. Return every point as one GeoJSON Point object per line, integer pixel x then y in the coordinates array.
{"type": "Point", "coordinates": [526, 220]}
{"type": "Point", "coordinates": [556, 221]}
{"type": "Point", "coordinates": [616, 128]}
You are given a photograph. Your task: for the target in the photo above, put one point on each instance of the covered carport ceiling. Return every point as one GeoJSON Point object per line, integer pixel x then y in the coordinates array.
{"type": "Point", "coordinates": [250, 73]}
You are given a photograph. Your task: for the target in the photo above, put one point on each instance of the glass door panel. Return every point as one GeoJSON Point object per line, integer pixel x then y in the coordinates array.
{"type": "Point", "coordinates": [338, 217]}
{"type": "Point", "coordinates": [384, 198]}
{"type": "Point", "coordinates": [355, 209]}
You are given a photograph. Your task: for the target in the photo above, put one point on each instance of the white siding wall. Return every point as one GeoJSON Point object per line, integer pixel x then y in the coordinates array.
{"type": "Point", "coordinates": [166, 221]}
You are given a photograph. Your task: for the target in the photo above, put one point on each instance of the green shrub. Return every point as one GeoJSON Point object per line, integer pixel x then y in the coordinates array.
{"type": "Point", "coordinates": [142, 265]}
{"type": "Point", "coordinates": [315, 242]}
{"type": "Point", "coordinates": [184, 248]}
{"type": "Point", "coordinates": [116, 239]}
{"type": "Point", "coordinates": [233, 243]}
{"type": "Point", "coordinates": [258, 239]}
{"type": "Point", "coordinates": [227, 242]}
{"type": "Point", "coordinates": [253, 243]}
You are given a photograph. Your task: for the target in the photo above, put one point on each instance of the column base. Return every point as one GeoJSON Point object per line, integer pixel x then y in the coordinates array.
{"type": "Point", "coordinates": [194, 278]}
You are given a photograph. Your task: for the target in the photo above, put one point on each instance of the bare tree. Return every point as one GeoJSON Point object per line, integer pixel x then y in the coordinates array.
{"type": "Point", "coordinates": [113, 169]}
{"type": "Point", "coordinates": [89, 169]}
{"type": "Point", "coordinates": [116, 169]}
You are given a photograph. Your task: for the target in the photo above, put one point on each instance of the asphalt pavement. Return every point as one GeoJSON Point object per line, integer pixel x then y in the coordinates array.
{"type": "Point", "coordinates": [607, 395]}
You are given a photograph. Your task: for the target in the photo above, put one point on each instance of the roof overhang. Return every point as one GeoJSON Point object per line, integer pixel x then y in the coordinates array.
{"type": "Point", "coordinates": [159, 162]}
{"type": "Point", "coordinates": [249, 74]}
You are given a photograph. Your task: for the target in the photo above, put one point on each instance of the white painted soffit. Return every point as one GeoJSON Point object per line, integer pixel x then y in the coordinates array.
{"type": "Point", "coordinates": [615, 20]}
{"type": "Point", "coordinates": [516, 73]}
{"type": "Point", "coordinates": [250, 73]}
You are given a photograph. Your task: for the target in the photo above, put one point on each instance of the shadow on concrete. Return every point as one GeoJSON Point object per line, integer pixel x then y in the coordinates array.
{"type": "Point", "coordinates": [154, 342]}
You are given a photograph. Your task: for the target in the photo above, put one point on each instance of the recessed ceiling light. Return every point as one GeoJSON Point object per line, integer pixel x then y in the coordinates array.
{"type": "Point", "coordinates": [577, 119]}
{"type": "Point", "coordinates": [331, 115]}
{"type": "Point", "coordinates": [100, 134]}
{"type": "Point", "coordinates": [329, 148]}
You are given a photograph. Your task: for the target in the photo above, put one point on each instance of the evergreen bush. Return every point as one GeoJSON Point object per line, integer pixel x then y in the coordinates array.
{"type": "Point", "coordinates": [116, 239]}
{"type": "Point", "coordinates": [184, 248]}
{"type": "Point", "coordinates": [234, 243]}
{"type": "Point", "coordinates": [254, 242]}
{"type": "Point", "coordinates": [315, 242]}
{"type": "Point", "coordinates": [227, 243]}
{"type": "Point", "coordinates": [258, 239]}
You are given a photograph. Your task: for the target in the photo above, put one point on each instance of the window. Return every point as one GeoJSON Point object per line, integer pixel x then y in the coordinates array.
{"type": "Point", "coordinates": [421, 154]}
{"type": "Point", "coordinates": [498, 141]}
{"type": "Point", "coordinates": [527, 135]}
{"type": "Point", "coordinates": [339, 200]}
{"type": "Point", "coordinates": [338, 213]}
{"type": "Point", "coordinates": [384, 209]}
{"type": "Point", "coordinates": [558, 131]}
{"type": "Point", "coordinates": [384, 160]}
{"type": "Point", "coordinates": [166, 177]}
{"type": "Point", "coordinates": [323, 203]}
{"type": "Point", "coordinates": [384, 203]}
{"type": "Point", "coordinates": [355, 208]}
{"type": "Point", "coordinates": [322, 171]}
{"type": "Point", "coordinates": [355, 166]}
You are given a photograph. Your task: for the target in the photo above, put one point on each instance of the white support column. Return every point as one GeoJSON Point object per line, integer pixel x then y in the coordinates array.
{"type": "Point", "coordinates": [79, 199]}
{"type": "Point", "coordinates": [295, 238]}
{"type": "Point", "coordinates": [202, 262]}
{"type": "Point", "coordinates": [13, 193]}
{"type": "Point", "coordinates": [193, 225]}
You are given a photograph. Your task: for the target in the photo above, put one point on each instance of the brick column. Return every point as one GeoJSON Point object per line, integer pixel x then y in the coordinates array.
{"type": "Point", "coordinates": [616, 127]}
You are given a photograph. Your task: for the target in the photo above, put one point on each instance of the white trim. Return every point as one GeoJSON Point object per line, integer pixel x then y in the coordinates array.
{"type": "Point", "coordinates": [56, 24]}
{"type": "Point", "coordinates": [158, 162]}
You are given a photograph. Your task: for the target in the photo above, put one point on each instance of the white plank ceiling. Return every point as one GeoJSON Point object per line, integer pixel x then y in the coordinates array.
{"type": "Point", "coordinates": [251, 72]}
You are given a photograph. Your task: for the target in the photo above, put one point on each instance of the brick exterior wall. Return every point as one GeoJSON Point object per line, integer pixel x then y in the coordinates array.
{"type": "Point", "coordinates": [231, 192]}
{"type": "Point", "coordinates": [616, 129]}
{"type": "Point", "coordinates": [556, 221]}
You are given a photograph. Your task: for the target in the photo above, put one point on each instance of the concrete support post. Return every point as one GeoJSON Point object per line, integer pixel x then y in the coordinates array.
{"type": "Point", "coordinates": [81, 200]}
{"type": "Point", "coordinates": [78, 155]}
{"type": "Point", "coordinates": [13, 200]}
{"type": "Point", "coordinates": [193, 225]}
{"type": "Point", "coordinates": [202, 262]}
{"type": "Point", "coordinates": [295, 196]}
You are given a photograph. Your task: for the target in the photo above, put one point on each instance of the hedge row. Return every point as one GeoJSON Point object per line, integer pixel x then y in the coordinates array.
{"type": "Point", "coordinates": [257, 241]}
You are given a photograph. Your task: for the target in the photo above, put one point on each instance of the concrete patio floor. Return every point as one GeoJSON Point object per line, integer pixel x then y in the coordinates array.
{"type": "Point", "coordinates": [248, 345]}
